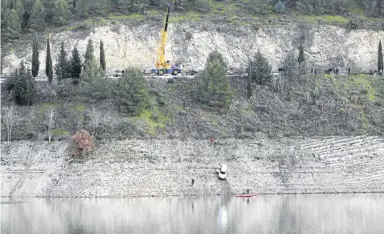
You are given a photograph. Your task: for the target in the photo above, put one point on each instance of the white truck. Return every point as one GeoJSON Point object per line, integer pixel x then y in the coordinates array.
{"type": "Point", "coordinates": [222, 171]}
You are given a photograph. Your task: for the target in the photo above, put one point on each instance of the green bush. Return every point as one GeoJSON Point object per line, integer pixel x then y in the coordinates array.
{"type": "Point", "coordinates": [214, 88]}
{"type": "Point", "coordinates": [260, 69]}
{"type": "Point", "coordinates": [93, 84]}
{"type": "Point", "coordinates": [132, 92]}
{"type": "Point", "coordinates": [24, 86]}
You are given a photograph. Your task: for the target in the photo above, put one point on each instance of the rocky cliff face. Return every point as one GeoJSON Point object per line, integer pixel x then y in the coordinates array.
{"type": "Point", "coordinates": [136, 44]}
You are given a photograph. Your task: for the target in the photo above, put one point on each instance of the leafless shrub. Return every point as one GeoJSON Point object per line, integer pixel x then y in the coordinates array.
{"type": "Point", "coordinates": [289, 158]}
{"type": "Point", "coordinates": [278, 84]}
{"type": "Point", "coordinates": [316, 92]}
{"type": "Point", "coordinates": [188, 36]}
{"type": "Point", "coordinates": [50, 121]}
{"type": "Point", "coordinates": [308, 98]}
{"type": "Point", "coordinates": [82, 143]}
{"type": "Point", "coordinates": [10, 118]}
{"type": "Point", "coordinates": [94, 120]}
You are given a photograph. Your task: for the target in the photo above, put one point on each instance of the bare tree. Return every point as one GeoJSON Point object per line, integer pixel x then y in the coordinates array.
{"type": "Point", "coordinates": [50, 121]}
{"type": "Point", "coordinates": [94, 121]}
{"type": "Point", "coordinates": [10, 118]}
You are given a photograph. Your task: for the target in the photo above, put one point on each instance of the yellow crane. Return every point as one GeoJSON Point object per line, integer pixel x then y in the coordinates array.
{"type": "Point", "coordinates": [163, 66]}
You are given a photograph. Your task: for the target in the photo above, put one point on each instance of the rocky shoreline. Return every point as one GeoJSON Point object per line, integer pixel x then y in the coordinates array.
{"type": "Point", "coordinates": [132, 168]}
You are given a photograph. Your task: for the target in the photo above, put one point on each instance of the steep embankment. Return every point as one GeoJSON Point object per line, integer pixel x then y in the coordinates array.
{"type": "Point", "coordinates": [252, 134]}
{"type": "Point", "coordinates": [135, 43]}
{"type": "Point", "coordinates": [166, 167]}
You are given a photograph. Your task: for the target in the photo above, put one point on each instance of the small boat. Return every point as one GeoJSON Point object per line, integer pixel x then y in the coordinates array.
{"type": "Point", "coordinates": [246, 195]}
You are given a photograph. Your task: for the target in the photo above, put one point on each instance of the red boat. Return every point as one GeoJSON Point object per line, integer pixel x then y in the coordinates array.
{"type": "Point", "coordinates": [246, 195]}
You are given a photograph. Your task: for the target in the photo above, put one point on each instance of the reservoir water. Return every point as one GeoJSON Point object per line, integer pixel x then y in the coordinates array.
{"type": "Point", "coordinates": [340, 213]}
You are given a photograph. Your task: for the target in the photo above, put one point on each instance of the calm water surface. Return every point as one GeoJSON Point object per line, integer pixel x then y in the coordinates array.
{"type": "Point", "coordinates": [346, 213]}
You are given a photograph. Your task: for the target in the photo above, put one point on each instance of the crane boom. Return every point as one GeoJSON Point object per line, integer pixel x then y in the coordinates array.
{"type": "Point", "coordinates": [160, 61]}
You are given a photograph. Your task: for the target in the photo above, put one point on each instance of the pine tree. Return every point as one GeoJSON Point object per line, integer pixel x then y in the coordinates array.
{"type": "Point", "coordinates": [35, 57]}
{"type": "Point", "coordinates": [301, 58]}
{"type": "Point", "coordinates": [48, 63]}
{"type": "Point", "coordinates": [88, 57]}
{"type": "Point", "coordinates": [62, 66]}
{"type": "Point", "coordinates": [102, 56]}
{"type": "Point", "coordinates": [380, 65]}
{"type": "Point", "coordinates": [92, 82]}
{"type": "Point", "coordinates": [25, 88]}
{"type": "Point", "coordinates": [261, 69]}
{"type": "Point", "coordinates": [214, 88]}
{"type": "Point", "coordinates": [132, 92]}
{"type": "Point", "coordinates": [75, 64]}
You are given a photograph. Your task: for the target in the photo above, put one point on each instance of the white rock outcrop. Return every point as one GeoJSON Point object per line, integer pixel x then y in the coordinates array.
{"type": "Point", "coordinates": [325, 46]}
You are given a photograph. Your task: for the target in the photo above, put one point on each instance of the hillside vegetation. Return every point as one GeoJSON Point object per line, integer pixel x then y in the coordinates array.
{"type": "Point", "coordinates": [24, 16]}
{"type": "Point", "coordinates": [313, 105]}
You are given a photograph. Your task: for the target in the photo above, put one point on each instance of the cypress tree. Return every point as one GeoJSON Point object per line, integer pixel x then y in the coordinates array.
{"type": "Point", "coordinates": [62, 66]}
{"type": "Point", "coordinates": [48, 63]}
{"type": "Point", "coordinates": [35, 57]}
{"type": "Point", "coordinates": [380, 64]}
{"type": "Point", "coordinates": [75, 64]}
{"type": "Point", "coordinates": [102, 56]}
{"type": "Point", "coordinates": [88, 57]}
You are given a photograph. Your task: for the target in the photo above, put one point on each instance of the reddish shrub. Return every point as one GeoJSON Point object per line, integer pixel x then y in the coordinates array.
{"type": "Point", "coordinates": [82, 143]}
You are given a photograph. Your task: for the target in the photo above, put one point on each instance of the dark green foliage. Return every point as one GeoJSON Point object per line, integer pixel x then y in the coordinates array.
{"type": "Point", "coordinates": [257, 6]}
{"type": "Point", "coordinates": [380, 65]}
{"type": "Point", "coordinates": [88, 57]}
{"type": "Point", "coordinates": [62, 67]}
{"type": "Point", "coordinates": [48, 63]}
{"type": "Point", "coordinates": [75, 64]}
{"type": "Point", "coordinates": [322, 6]}
{"type": "Point", "coordinates": [374, 8]}
{"type": "Point", "coordinates": [24, 86]}
{"type": "Point", "coordinates": [261, 69]}
{"type": "Point", "coordinates": [301, 58]}
{"type": "Point", "coordinates": [214, 88]}
{"type": "Point", "coordinates": [102, 56]}
{"type": "Point", "coordinates": [93, 84]}
{"type": "Point", "coordinates": [35, 57]}
{"type": "Point", "coordinates": [38, 15]}
{"type": "Point", "coordinates": [10, 23]}
{"type": "Point", "coordinates": [280, 7]}
{"type": "Point", "coordinates": [60, 12]}
{"type": "Point", "coordinates": [132, 92]}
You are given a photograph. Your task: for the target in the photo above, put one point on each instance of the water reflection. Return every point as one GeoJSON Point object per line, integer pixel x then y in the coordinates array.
{"type": "Point", "coordinates": [353, 213]}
